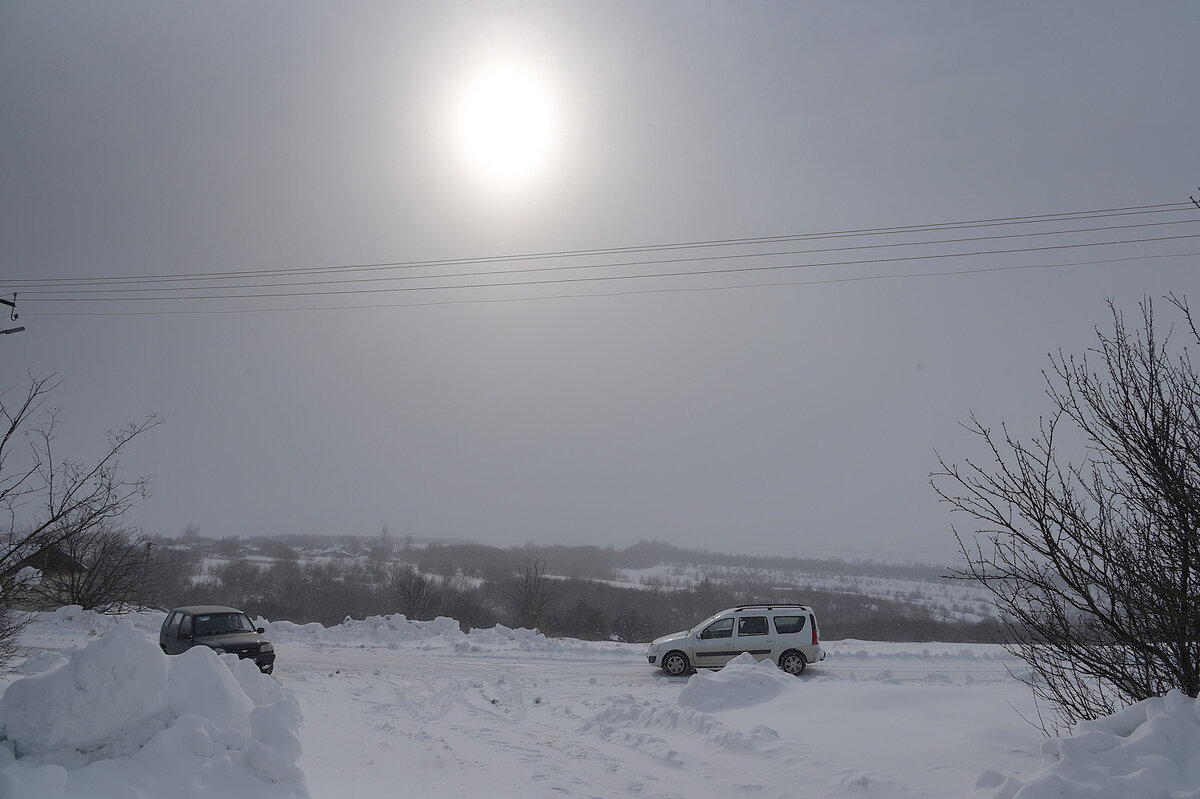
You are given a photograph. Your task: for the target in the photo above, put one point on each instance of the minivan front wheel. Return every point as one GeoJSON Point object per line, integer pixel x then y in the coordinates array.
{"type": "Point", "coordinates": [793, 662]}
{"type": "Point", "coordinates": [676, 664]}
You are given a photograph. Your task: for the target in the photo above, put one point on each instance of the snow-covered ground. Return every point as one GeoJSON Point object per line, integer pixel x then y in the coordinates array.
{"type": "Point", "coordinates": [952, 600]}
{"type": "Point", "coordinates": [386, 707]}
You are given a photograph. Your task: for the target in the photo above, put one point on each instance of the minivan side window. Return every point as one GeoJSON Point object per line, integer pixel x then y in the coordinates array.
{"type": "Point", "coordinates": [721, 628]}
{"type": "Point", "coordinates": [752, 625]}
{"type": "Point", "coordinates": [185, 628]}
{"type": "Point", "coordinates": [789, 624]}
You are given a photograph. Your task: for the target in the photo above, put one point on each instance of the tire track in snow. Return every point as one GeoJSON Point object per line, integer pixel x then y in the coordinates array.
{"type": "Point", "coordinates": [733, 761]}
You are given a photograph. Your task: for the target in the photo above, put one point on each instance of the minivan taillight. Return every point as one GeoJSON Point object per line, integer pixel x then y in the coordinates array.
{"type": "Point", "coordinates": [813, 622]}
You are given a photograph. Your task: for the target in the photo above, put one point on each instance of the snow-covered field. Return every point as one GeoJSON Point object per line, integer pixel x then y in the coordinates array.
{"type": "Point", "coordinates": [946, 599]}
{"type": "Point", "coordinates": [386, 707]}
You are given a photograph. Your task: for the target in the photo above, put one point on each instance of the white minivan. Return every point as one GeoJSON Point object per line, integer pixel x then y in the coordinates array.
{"type": "Point", "coordinates": [785, 634]}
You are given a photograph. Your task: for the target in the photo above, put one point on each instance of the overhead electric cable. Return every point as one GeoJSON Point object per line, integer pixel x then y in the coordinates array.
{"type": "Point", "coordinates": [138, 281]}
{"type": "Point", "coordinates": [757, 255]}
{"type": "Point", "coordinates": [629, 293]}
{"type": "Point", "coordinates": [637, 276]}
{"type": "Point", "coordinates": [22, 284]}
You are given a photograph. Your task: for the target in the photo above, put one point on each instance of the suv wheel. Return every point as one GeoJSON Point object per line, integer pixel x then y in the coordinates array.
{"type": "Point", "coordinates": [676, 664]}
{"type": "Point", "coordinates": [793, 662]}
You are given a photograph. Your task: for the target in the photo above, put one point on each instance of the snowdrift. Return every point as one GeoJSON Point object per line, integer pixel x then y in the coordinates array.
{"type": "Point", "coordinates": [374, 631]}
{"type": "Point", "coordinates": [1151, 749]}
{"type": "Point", "coordinates": [397, 630]}
{"type": "Point", "coordinates": [742, 683]}
{"type": "Point", "coordinates": [117, 718]}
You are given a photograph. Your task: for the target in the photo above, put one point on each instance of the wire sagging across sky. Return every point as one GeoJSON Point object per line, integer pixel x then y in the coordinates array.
{"type": "Point", "coordinates": [1001, 244]}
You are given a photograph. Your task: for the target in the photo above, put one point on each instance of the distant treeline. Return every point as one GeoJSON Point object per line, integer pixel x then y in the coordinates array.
{"type": "Point", "coordinates": [481, 586]}
{"type": "Point", "coordinates": [593, 562]}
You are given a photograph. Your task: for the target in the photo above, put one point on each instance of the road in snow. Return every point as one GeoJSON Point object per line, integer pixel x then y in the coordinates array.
{"type": "Point", "coordinates": [904, 720]}
{"type": "Point", "coordinates": [396, 708]}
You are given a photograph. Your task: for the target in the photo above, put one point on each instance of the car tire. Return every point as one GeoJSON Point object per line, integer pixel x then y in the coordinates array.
{"type": "Point", "coordinates": [793, 662]}
{"type": "Point", "coordinates": [676, 664]}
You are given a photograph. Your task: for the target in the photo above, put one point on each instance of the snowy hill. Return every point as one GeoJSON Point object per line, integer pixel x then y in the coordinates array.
{"type": "Point", "coordinates": [636, 594]}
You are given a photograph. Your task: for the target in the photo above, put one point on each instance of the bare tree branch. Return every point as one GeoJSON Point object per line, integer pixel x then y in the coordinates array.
{"type": "Point", "coordinates": [530, 593]}
{"type": "Point", "coordinates": [418, 597]}
{"type": "Point", "coordinates": [72, 505]}
{"type": "Point", "coordinates": [1093, 563]}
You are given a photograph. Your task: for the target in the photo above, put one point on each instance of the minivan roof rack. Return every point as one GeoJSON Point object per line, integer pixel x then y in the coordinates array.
{"type": "Point", "coordinates": [772, 606]}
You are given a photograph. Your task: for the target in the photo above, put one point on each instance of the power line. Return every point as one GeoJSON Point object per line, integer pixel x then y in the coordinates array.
{"type": "Point", "coordinates": [327, 280]}
{"type": "Point", "coordinates": [599, 278]}
{"type": "Point", "coordinates": [331, 281]}
{"type": "Point", "coordinates": [1160, 208]}
{"type": "Point", "coordinates": [632, 292]}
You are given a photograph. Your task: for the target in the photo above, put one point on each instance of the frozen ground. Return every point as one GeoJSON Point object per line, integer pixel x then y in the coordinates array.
{"type": "Point", "coordinates": [386, 708]}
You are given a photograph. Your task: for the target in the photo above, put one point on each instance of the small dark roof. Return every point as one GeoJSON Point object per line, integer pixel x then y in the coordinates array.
{"type": "Point", "coordinates": [201, 610]}
{"type": "Point", "coordinates": [52, 558]}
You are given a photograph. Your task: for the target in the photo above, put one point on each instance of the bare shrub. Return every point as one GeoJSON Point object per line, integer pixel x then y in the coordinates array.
{"type": "Point", "coordinates": [1094, 560]}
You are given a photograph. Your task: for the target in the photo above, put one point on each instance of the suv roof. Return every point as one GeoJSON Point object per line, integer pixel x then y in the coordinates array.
{"type": "Point", "coordinates": [200, 610]}
{"type": "Point", "coordinates": [773, 606]}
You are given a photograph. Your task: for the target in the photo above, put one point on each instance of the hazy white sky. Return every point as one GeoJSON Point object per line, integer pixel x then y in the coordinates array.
{"type": "Point", "coordinates": [791, 411]}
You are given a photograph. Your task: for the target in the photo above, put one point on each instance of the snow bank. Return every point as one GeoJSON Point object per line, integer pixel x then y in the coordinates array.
{"type": "Point", "coordinates": [105, 700]}
{"type": "Point", "coordinates": [117, 718]}
{"type": "Point", "coordinates": [71, 622]}
{"type": "Point", "coordinates": [525, 640]}
{"type": "Point", "coordinates": [1151, 749]}
{"type": "Point", "coordinates": [396, 630]}
{"type": "Point", "coordinates": [742, 683]}
{"type": "Point", "coordinates": [68, 624]}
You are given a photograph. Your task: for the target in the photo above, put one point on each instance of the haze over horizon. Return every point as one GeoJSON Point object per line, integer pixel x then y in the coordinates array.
{"type": "Point", "coordinates": [745, 315]}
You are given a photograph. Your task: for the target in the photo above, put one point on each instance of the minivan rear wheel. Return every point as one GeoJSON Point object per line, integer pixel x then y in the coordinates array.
{"type": "Point", "coordinates": [676, 664]}
{"type": "Point", "coordinates": [793, 662]}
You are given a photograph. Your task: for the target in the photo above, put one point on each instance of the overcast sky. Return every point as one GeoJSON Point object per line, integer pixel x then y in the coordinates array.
{"type": "Point", "coordinates": [784, 410]}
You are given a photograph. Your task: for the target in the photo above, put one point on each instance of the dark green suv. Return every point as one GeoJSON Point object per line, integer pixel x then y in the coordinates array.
{"type": "Point", "coordinates": [219, 628]}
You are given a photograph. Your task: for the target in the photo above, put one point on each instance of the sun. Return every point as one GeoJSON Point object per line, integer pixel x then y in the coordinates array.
{"type": "Point", "coordinates": [506, 126]}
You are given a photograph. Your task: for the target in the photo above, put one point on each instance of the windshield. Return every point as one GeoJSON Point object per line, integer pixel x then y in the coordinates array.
{"type": "Point", "coordinates": [221, 623]}
{"type": "Point", "coordinates": [705, 623]}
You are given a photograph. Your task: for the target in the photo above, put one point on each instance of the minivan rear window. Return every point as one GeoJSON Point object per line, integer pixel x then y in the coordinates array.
{"type": "Point", "coordinates": [789, 624]}
{"type": "Point", "coordinates": [752, 625]}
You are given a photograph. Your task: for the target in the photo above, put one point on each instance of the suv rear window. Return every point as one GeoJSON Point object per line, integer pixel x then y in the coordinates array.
{"type": "Point", "coordinates": [789, 624]}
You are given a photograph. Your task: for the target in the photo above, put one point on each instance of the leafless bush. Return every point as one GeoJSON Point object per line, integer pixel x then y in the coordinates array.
{"type": "Point", "coordinates": [116, 571]}
{"type": "Point", "coordinates": [1095, 562]}
{"type": "Point", "coordinates": [48, 504]}
{"type": "Point", "coordinates": [530, 592]}
{"type": "Point", "coordinates": [418, 597]}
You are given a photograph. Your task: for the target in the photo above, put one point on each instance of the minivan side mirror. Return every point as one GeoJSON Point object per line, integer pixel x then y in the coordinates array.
{"type": "Point", "coordinates": [261, 630]}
